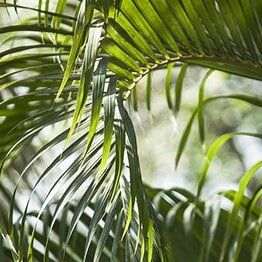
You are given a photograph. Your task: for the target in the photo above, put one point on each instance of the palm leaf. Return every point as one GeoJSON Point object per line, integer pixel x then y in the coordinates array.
{"type": "Point", "coordinates": [79, 64]}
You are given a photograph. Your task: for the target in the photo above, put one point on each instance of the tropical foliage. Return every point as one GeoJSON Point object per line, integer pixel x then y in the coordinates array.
{"type": "Point", "coordinates": [71, 184]}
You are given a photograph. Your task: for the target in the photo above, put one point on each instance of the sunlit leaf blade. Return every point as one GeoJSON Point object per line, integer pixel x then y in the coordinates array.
{"type": "Point", "coordinates": [148, 91]}
{"type": "Point", "coordinates": [179, 86]}
{"type": "Point", "coordinates": [168, 85]}
{"type": "Point", "coordinates": [137, 191]}
{"type": "Point", "coordinates": [184, 138]}
{"type": "Point", "coordinates": [85, 84]}
{"type": "Point", "coordinates": [60, 7]}
{"type": "Point", "coordinates": [109, 115]}
{"type": "Point", "coordinates": [212, 152]}
{"type": "Point", "coordinates": [237, 200]}
{"type": "Point", "coordinates": [244, 223]}
{"type": "Point", "coordinates": [83, 20]}
{"type": "Point", "coordinates": [200, 113]}
{"type": "Point", "coordinates": [134, 99]}
{"type": "Point", "coordinates": [211, 219]}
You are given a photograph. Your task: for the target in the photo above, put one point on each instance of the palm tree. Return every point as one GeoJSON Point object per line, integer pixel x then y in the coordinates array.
{"type": "Point", "coordinates": [74, 66]}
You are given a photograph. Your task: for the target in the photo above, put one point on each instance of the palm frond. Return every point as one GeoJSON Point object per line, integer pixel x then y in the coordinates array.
{"type": "Point", "coordinates": [80, 62]}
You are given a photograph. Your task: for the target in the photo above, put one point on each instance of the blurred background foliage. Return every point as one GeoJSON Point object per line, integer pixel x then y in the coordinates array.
{"type": "Point", "coordinates": [159, 131]}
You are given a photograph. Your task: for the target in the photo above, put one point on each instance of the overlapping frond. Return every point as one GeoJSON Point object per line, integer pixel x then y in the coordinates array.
{"type": "Point", "coordinates": [71, 65]}
{"type": "Point", "coordinates": [224, 35]}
